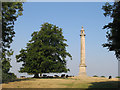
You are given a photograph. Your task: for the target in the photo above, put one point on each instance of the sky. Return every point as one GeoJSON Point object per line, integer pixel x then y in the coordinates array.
{"type": "Point", "coordinates": [70, 16]}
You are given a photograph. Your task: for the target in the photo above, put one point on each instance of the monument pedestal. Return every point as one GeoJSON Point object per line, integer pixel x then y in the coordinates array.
{"type": "Point", "coordinates": [82, 71]}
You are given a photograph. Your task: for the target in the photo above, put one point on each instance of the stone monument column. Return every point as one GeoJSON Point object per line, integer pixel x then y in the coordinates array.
{"type": "Point", "coordinates": [82, 66]}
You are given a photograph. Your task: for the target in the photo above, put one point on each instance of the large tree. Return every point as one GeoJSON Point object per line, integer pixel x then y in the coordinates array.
{"type": "Point", "coordinates": [113, 28]}
{"type": "Point", "coordinates": [45, 52]}
{"type": "Point", "coordinates": [10, 13]}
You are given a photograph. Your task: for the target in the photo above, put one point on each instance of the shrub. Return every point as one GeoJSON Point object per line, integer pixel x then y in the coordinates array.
{"type": "Point", "coordinates": [95, 76]}
{"type": "Point", "coordinates": [118, 77]}
{"type": "Point", "coordinates": [63, 75]}
{"type": "Point", "coordinates": [67, 76]}
{"type": "Point", "coordinates": [102, 76]}
{"type": "Point", "coordinates": [56, 75]}
{"type": "Point", "coordinates": [7, 77]}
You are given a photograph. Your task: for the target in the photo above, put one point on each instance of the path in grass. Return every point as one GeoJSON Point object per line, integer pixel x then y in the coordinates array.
{"type": "Point", "coordinates": [59, 83]}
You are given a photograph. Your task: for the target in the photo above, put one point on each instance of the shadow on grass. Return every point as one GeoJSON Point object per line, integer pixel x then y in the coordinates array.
{"type": "Point", "coordinates": [52, 78]}
{"type": "Point", "coordinates": [17, 80]}
{"type": "Point", "coordinates": [107, 84]}
{"type": "Point", "coordinates": [32, 78]}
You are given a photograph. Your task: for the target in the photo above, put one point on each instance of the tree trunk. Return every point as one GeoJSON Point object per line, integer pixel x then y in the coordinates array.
{"type": "Point", "coordinates": [40, 74]}
{"type": "Point", "coordinates": [36, 75]}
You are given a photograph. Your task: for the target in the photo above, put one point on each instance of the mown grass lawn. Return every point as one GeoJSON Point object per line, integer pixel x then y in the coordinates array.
{"type": "Point", "coordinates": [63, 83]}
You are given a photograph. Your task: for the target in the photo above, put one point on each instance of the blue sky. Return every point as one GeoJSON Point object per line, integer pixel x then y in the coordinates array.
{"type": "Point", "coordinates": [70, 17]}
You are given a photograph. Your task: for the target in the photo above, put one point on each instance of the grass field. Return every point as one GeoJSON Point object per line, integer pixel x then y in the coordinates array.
{"type": "Point", "coordinates": [91, 82]}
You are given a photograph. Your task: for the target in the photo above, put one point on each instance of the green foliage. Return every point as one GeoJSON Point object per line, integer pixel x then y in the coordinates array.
{"type": "Point", "coordinates": [6, 61]}
{"type": "Point", "coordinates": [10, 13]}
{"type": "Point", "coordinates": [95, 76]}
{"type": "Point", "coordinates": [7, 77]}
{"type": "Point", "coordinates": [113, 28]}
{"type": "Point", "coordinates": [45, 52]}
{"type": "Point", "coordinates": [102, 76]}
{"type": "Point", "coordinates": [118, 77]}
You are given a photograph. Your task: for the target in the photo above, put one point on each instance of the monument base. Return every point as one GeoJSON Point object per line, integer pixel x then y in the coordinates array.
{"type": "Point", "coordinates": [82, 71]}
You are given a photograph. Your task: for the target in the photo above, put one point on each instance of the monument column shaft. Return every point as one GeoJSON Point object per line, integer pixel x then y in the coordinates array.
{"type": "Point", "coordinates": [82, 66]}
{"type": "Point", "coordinates": [82, 50]}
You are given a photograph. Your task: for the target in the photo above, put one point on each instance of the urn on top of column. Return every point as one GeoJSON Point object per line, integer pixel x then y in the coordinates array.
{"type": "Point", "coordinates": [82, 32]}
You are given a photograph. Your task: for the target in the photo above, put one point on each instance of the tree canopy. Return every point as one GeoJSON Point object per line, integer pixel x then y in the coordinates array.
{"type": "Point", "coordinates": [45, 52]}
{"type": "Point", "coordinates": [10, 13]}
{"type": "Point", "coordinates": [113, 28]}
